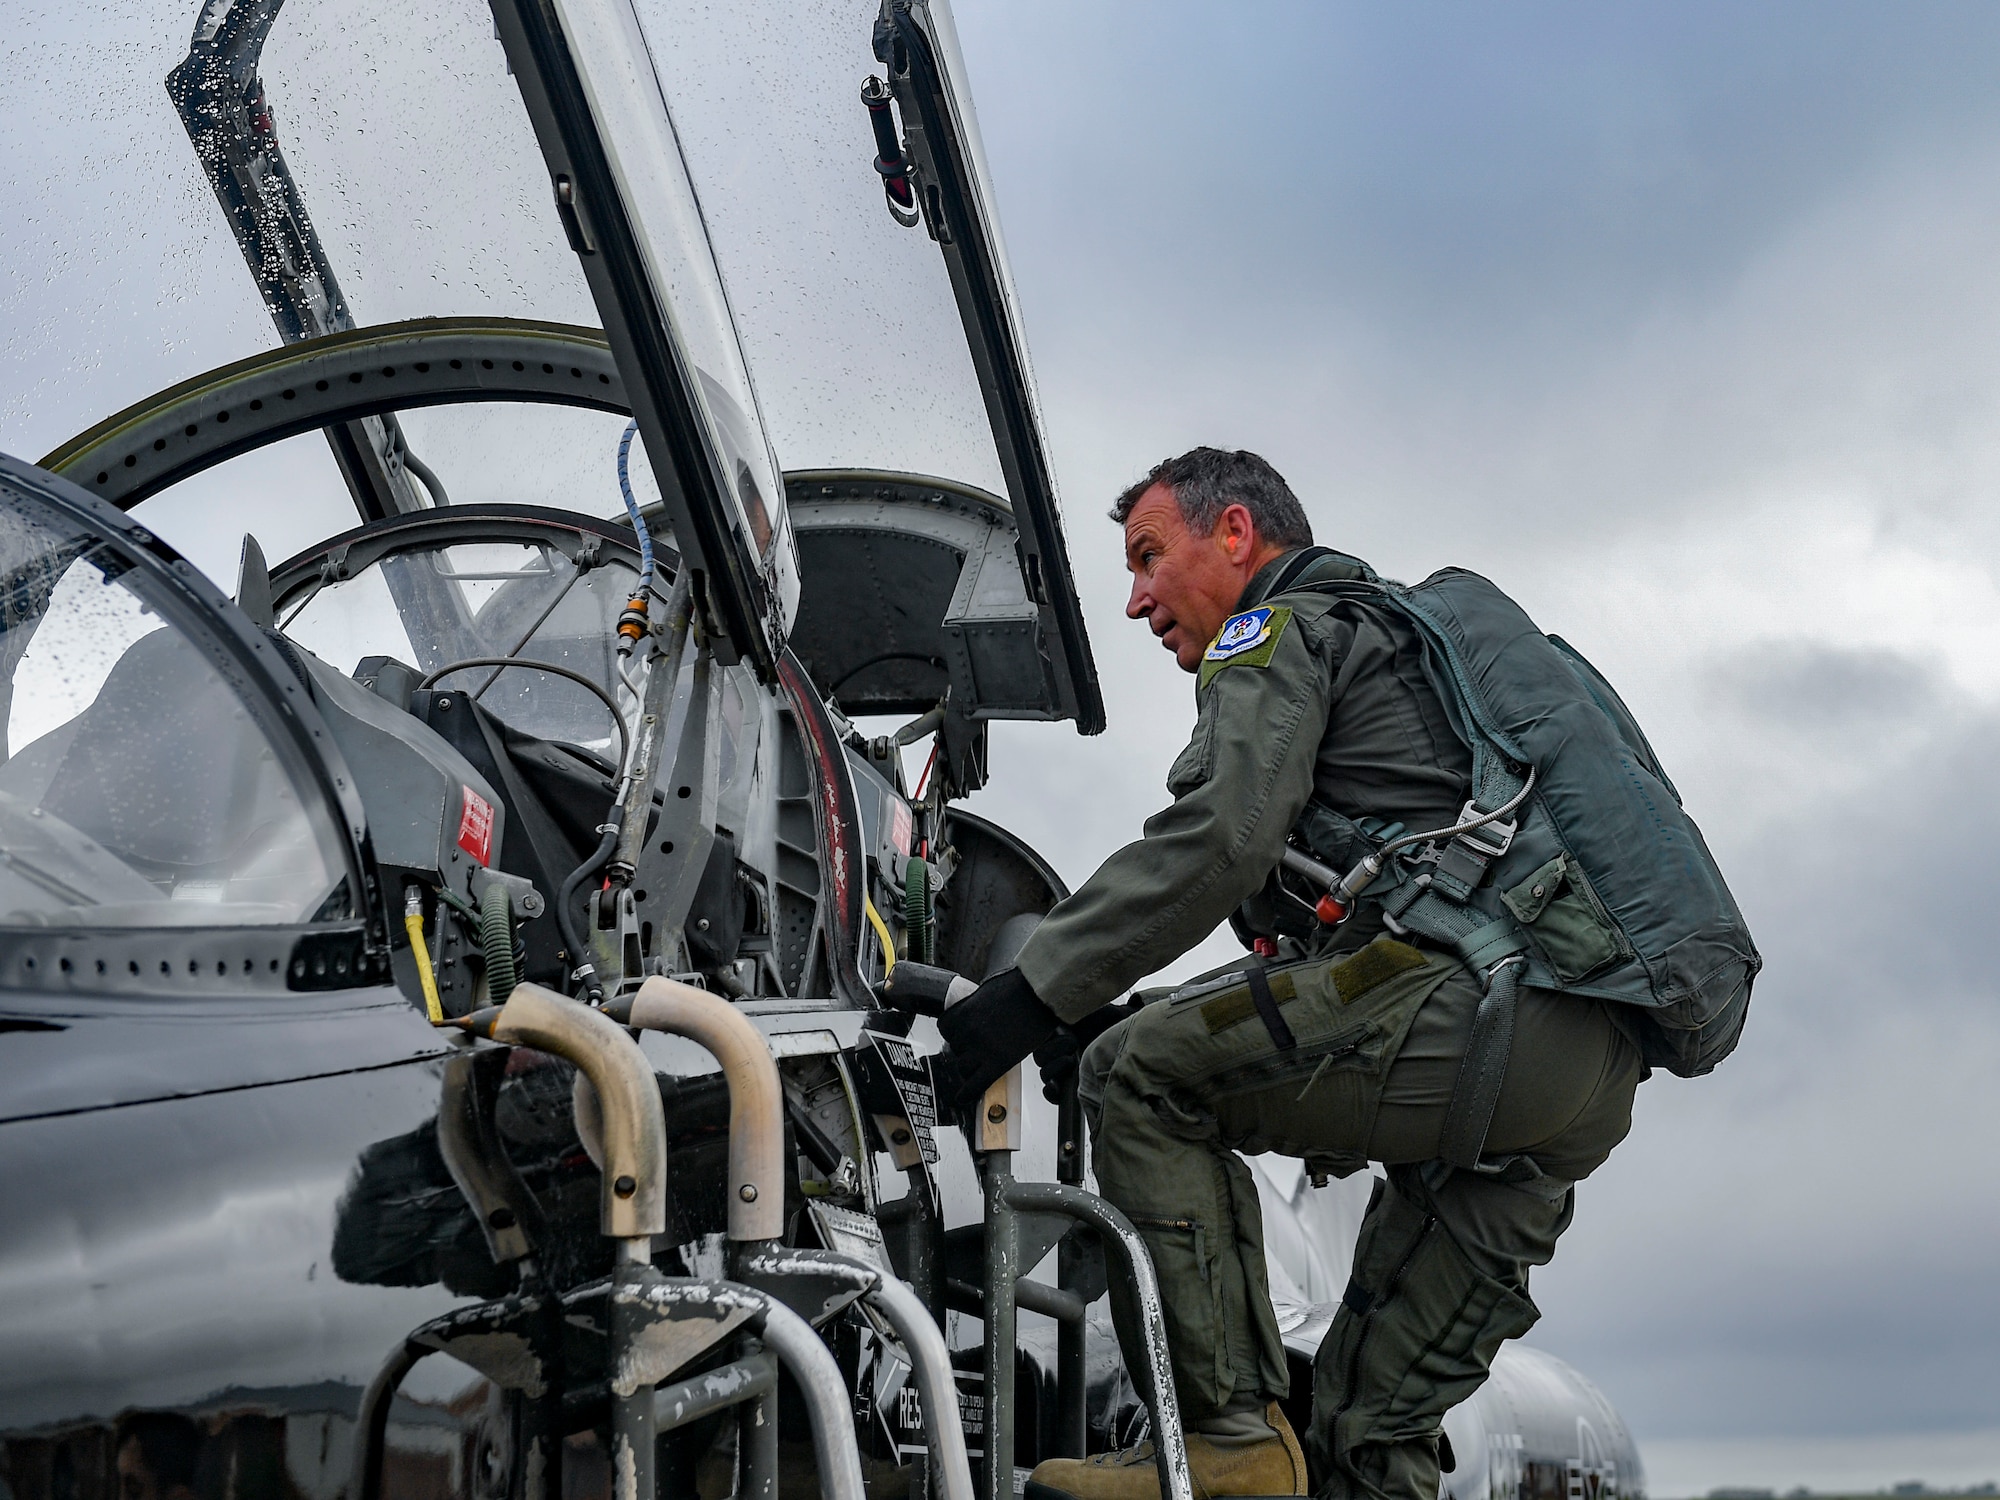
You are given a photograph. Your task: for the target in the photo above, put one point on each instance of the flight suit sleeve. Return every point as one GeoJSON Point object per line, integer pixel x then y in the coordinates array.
{"type": "Point", "coordinates": [1238, 788]}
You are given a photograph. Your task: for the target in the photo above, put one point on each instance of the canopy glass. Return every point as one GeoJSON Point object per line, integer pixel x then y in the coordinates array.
{"type": "Point", "coordinates": [419, 170]}
{"type": "Point", "coordinates": [137, 787]}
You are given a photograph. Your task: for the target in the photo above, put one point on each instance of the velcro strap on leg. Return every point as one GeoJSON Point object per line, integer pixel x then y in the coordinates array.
{"type": "Point", "coordinates": [1267, 1009]}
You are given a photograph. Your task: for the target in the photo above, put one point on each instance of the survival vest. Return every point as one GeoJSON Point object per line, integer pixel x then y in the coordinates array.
{"type": "Point", "coordinates": [1597, 882]}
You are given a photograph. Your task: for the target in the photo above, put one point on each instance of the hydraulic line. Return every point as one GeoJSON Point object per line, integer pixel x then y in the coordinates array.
{"type": "Point", "coordinates": [579, 949]}
{"type": "Point", "coordinates": [428, 476]}
{"type": "Point", "coordinates": [881, 936]}
{"type": "Point", "coordinates": [413, 924]}
{"type": "Point", "coordinates": [632, 505]}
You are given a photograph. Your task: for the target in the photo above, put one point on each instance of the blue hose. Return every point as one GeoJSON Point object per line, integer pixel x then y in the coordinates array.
{"type": "Point", "coordinates": [632, 505]}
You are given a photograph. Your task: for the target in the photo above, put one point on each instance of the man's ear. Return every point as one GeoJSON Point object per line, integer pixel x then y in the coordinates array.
{"type": "Point", "coordinates": [1237, 532]}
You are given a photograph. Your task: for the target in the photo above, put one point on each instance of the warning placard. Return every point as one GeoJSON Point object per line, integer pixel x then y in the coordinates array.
{"type": "Point", "coordinates": [911, 1076]}
{"type": "Point", "coordinates": [475, 827]}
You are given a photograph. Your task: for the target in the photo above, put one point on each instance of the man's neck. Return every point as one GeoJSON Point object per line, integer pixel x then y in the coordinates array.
{"type": "Point", "coordinates": [1262, 579]}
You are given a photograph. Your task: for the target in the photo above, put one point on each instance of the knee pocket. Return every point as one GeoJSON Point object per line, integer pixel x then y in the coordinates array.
{"type": "Point", "coordinates": [1419, 1339]}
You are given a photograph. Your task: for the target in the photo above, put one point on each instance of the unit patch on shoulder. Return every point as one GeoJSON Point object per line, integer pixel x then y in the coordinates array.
{"type": "Point", "coordinates": [1245, 640]}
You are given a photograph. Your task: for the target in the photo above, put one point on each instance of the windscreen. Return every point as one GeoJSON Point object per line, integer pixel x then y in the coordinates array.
{"type": "Point", "coordinates": [137, 789]}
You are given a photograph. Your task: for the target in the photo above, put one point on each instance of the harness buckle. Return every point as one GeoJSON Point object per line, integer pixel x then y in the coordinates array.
{"type": "Point", "coordinates": [1490, 839]}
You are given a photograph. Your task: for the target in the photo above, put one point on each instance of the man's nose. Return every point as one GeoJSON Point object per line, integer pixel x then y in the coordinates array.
{"type": "Point", "coordinates": [1139, 603]}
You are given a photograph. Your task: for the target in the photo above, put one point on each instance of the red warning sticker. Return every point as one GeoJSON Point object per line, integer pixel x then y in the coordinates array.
{"type": "Point", "coordinates": [899, 826]}
{"type": "Point", "coordinates": [475, 827]}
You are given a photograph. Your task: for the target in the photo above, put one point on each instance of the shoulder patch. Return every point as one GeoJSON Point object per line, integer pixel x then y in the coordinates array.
{"type": "Point", "coordinates": [1246, 640]}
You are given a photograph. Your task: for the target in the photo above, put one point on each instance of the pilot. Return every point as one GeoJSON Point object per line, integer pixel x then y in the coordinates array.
{"type": "Point", "coordinates": [1344, 1052]}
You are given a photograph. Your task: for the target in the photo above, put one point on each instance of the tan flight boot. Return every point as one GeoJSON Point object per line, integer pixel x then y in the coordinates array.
{"type": "Point", "coordinates": [1272, 1467]}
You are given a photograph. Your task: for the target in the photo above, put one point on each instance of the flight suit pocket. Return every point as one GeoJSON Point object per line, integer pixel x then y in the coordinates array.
{"type": "Point", "coordinates": [1566, 920]}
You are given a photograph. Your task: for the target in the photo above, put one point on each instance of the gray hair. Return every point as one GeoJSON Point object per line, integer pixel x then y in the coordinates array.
{"type": "Point", "coordinates": [1207, 481]}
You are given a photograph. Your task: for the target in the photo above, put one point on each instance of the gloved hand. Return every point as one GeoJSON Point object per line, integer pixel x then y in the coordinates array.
{"type": "Point", "coordinates": [985, 1034]}
{"type": "Point", "coordinates": [1059, 1056]}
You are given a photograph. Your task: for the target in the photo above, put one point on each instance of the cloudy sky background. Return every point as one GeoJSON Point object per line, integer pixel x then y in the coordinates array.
{"type": "Point", "coordinates": [1680, 321]}
{"type": "Point", "coordinates": [1683, 323]}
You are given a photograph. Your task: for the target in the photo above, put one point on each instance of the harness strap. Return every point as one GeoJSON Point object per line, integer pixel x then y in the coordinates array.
{"type": "Point", "coordinates": [1485, 945]}
{"type": "Point", "coordinates": [1305, 560]}
{"type": "Point", "coordinates": [1267, 1009]}
{"type": "Point", "coordinates": [1476, 1091]}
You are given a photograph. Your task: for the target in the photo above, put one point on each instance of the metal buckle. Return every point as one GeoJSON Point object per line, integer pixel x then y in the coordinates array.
{"type": "Point", "coordinates": [1490, 839]}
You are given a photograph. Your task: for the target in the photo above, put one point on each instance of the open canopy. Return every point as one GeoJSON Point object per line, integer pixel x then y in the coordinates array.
{"type": "Point", "coordinates": [700, 180]}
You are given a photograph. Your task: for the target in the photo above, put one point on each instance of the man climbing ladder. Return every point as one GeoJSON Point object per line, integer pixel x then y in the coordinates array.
{"type": "Point", "coordinates": [1471, 1003]}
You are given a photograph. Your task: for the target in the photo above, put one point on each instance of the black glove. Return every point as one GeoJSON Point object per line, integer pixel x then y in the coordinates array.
{"type": "Point", "coordinates": [985, 1034]}
{"type": "Point", "coordinates": [1059, 1056]}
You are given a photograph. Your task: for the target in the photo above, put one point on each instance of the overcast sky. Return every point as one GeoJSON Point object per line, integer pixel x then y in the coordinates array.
{"type": "Point", "coordinates": [1680, 321]}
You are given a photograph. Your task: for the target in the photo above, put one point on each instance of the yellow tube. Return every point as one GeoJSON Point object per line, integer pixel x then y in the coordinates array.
{"type": "Point", "coordinates": [881, 936]}
{"type": "Point", "coordinates": [413, 924]}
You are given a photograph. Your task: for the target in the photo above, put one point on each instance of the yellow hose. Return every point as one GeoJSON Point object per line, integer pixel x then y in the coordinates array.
{"type": "Point", "coordinates": [413, 924]}
{"type": "Point", "coordinates": [881, 936]}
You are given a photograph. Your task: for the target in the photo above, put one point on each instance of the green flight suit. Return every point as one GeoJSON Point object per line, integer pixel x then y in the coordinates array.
{"type": "Point", "coordinates": [1329, 700]}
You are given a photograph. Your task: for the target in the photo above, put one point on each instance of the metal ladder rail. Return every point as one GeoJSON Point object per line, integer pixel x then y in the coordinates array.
{"type": "Point", "coordinates": [642, 1305]}
{"type": "Point", "coordinates": [996, 1137]}
{"type": "Point", "coordinates": [656, 1323]}
{"type": "Point", "coordinates": [631, 1210]}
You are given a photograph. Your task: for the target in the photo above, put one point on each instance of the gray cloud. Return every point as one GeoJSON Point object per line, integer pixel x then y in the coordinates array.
{"type": "Point", "coordinates": [1813, 689]}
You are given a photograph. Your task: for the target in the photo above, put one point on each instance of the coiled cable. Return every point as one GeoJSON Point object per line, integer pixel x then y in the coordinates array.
{"type": "Point", "coordinates": [496, 942]}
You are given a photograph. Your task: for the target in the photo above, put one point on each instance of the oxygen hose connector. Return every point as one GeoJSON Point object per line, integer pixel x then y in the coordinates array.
{"type": "Point", "coordinates": [413, 924]}
{"type": "Point", "coordinates": [633, 623]}
{"type": "Point", "coordinates": [1333, 907]}
{"type": "Point", "coordinates": [1342, 891]}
